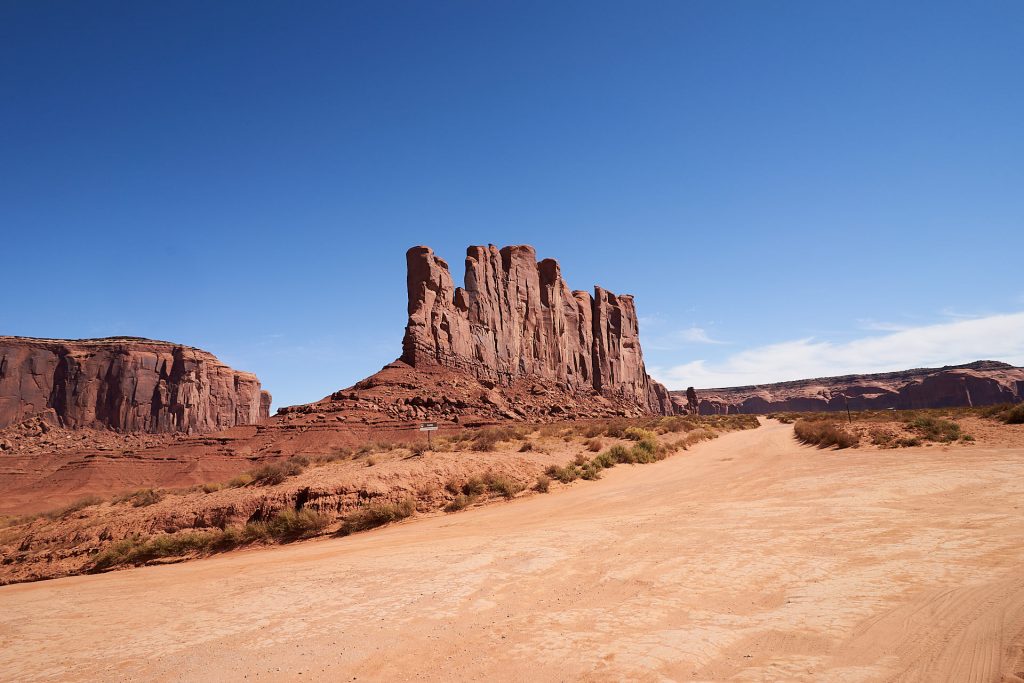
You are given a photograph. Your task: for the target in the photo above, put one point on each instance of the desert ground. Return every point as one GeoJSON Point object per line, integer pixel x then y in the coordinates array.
{"type": "Point", "coordinates": [750, 557]}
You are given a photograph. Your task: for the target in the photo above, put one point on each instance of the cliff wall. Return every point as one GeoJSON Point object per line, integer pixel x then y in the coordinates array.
{"type": "Point", "coordinates": [516, 318]}
{"type": "Point", "coordinates": [126, 384]}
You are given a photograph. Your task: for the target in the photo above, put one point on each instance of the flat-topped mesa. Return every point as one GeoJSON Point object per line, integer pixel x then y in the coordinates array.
{"type": "Point", "coordinates": [126, 384]}
{"type": "Point", "coordinates": [518, 318]}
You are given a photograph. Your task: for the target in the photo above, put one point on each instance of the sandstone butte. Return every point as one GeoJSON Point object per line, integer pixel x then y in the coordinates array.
{"type": "Point", "coordinates": [974, 384]}
{"type": "Point", "coordinates": [516, 318]}
{"type": "Point", "coordinates": [126, 384]}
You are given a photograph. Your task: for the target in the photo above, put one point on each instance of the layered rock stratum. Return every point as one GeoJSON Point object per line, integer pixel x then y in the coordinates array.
{"type": "Point", "coordinates": [126, 384]}
{"type": "Point", "coordinates": [980, 383]}
{"type": "Point", "coordinates": [516, 318]}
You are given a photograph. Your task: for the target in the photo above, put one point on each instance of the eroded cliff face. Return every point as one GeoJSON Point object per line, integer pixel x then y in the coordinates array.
{"type": "Point", "coordinates": [517, 318]}
{"type": "Point", "coordinates": [974, 384]}
{"type": "Point", "coordinates": [126, 384]}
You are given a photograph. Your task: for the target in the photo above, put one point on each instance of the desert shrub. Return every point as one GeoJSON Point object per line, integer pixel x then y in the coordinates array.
{"type": "Point", "coordinates": [616, 429]}
{"type": "Point", "coordinates": [645, 451]}
{"type": "Point", "coordinates": [908, 441]}
{"type": "Point", "coordinates": [460, 502]}
{"type": "Point", "coordinates": [1014, 415]}
{"type": "Point", "coordinates": [823, 434]}
{"type": "Point", "coordinates": [594, 445]}
{"type": "Point", "coordinates": [591, 430]}
{"type": "Point", "coordinates": [475, 486]}
{"type": "Point", "coordinates": [376, 514]}
{"type": "Point", "coordinates": [504, 485]}
{"type": "Point", "coordinates": [75, 506]}
{"type": "Point", "coordinates": [243, 479]}
{"type": "Point", "coordinates": [275, 473]}
{"type": "Point", "coordinates": [967, 438]}
{"type": "Point", "coordinates": [620, 454]}
{"type": "Point", "coordinates": [141, 498]}
{"type": "Point", "coordinates": [936, 429]}
{"type": "Point", "coordinates": [591, 471]}
{"type": "Point", "coordinates": [696, 436]}
{"type": "Point", "coordinates": [417, 448]}
{"type": "Point", "coordinates": [290, 524]}
{"type": "Point", "coordinates": [553, 430]}
{"type": "Point", "coordinates": [580, 460]}
{"type": "Point", "coordinates": [212, 487]}
{"type": "Point", "coordinates": [371, 461]}
{"type": "Point", "coordinates": [881, 437]}
{"type": "Point", "coordinates": [604, 459]}
{"type": "Point", "coordinates": [565, 474]}
{"type": "Point", "coordinates": [138, 549]}
{"type": "Point", "coordinates": [543, 484]}
{"type": "Point", "coordinates": [639, 434]}
{"type": "Point", "coordinates": [526, 447]}
{"type": "Point", "coordinates": [487, 439]}
{"type": "Point", "coordinates": [674, 425]}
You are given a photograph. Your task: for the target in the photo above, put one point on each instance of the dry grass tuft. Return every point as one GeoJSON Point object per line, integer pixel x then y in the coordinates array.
{"type": "Point", "coordinates": [375, 515]}
{"type": "Point", "coordinates": [823, 434]}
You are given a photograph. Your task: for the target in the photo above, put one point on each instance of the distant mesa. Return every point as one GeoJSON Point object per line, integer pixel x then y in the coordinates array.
{"type": "Point", "coordinates": [127, 384]}
{"type": "Point", "coordinates": [515, 342]}
{"type": "Point", "coordinates": [980, 383]}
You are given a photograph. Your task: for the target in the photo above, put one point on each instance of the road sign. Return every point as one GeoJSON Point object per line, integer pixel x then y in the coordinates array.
{"type": "Point", "coordinates": [429, 427]}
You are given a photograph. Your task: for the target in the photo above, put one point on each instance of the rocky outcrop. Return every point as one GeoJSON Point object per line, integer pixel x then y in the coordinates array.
{"type": "Point", "coordinates": [974, 384]}
{"type": "Point", "coordinates": [125, 384]}
{"type": "Point", "coordinates": [517, 318]}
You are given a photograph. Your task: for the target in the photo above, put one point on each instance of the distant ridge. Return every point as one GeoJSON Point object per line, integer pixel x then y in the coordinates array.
{"type": "Point", "coordinates": [982, 382]}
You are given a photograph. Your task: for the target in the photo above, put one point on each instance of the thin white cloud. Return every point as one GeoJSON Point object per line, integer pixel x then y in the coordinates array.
{"type": "Point", "coordinates": [882, 326]}
{"type": "Point", "coordinates": [993, 337]}
{"type": "Point", "coordinates": [677, 339]}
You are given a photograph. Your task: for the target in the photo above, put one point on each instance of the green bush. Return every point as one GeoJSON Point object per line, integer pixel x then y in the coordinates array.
{"type": "Point", "coordinates": [936, 429]}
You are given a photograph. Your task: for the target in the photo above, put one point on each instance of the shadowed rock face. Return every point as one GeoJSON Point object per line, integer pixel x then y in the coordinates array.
{"type": "Point", "coordinates": [125, 384]}
{"type": "Point", "coordinates": [974, 384]}
{"type": "Point", "coordinates": [517, 318]}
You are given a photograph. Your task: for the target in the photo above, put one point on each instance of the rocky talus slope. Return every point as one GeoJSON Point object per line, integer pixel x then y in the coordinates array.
{"type": "Point", "coordinates": [126, 384]}
{"type": "Point", "coordinates": [974, 384]}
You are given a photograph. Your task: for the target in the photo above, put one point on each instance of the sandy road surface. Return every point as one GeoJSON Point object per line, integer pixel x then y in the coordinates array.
{"type": "Point", "coordinates": [749, 558]}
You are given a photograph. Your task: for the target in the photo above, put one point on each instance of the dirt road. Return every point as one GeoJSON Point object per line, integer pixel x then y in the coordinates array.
{"type": "Point", "coordinates": [748, 558]}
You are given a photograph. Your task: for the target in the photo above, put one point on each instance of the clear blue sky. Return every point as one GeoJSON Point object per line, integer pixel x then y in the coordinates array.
{"type": "Point", "coordinates": [786, 187]}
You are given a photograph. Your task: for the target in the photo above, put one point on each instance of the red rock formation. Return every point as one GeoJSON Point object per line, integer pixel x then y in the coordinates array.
{"type": "Point", "coordinates": [975, 384]}
{"type": "Point", "coordinates": [517, 318]}
{"type": "Point", "coordinates": [126, 384]}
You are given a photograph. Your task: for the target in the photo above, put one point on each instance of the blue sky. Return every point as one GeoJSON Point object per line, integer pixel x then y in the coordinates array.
{"type": "Point", "coordinates": [788, 188]}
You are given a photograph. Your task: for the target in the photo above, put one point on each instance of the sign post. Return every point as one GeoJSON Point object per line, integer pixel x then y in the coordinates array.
{"type": "Point", "coordinates": [428, 427]}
